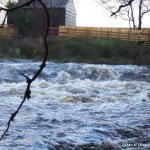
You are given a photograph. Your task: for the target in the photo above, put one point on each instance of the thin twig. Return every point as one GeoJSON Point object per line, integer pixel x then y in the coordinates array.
{"type": "Point", "coordinates": [27, 94]}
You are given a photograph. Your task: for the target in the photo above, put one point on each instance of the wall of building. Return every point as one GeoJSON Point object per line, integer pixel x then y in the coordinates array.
{"type": "Point", "coordinates": [70, 16]}
{"type": "Point", "coordinates": [57, 16]}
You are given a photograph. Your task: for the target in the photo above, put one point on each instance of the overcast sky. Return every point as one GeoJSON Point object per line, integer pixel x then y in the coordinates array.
{"type": "Point", "coordinates": [90, 13]}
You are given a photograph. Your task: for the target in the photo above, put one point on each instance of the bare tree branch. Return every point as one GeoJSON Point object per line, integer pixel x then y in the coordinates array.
{"type": "Point", "coordinates": [18, 7]}
{"type": "Point", "coordinates": [27, 94]}
{"type": "Point", "coordinates": [4, 20]}
{"type": "Point", "coordinates": [122, 6]}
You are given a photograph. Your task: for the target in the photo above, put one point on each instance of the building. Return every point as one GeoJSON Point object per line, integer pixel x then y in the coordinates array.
{"type": "Point", "coordinates": [62, 12]}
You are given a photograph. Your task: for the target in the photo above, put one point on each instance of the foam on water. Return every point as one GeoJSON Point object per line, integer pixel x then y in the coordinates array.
{"type": "Point", "coordinates": [74, 105]}
{"type": "Point", "coordinates": [100, 72]}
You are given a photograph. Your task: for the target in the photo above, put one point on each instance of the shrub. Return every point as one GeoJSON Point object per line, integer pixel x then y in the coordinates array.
{"type": "Point", "coordinates": [75, 49]}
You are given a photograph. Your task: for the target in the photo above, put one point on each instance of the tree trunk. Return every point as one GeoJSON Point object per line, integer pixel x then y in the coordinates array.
{"type": "Point", "coordinates": [140, 16]}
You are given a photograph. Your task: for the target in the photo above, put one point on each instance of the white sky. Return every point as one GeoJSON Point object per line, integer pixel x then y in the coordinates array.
{"type": "Point", "coordinates": [90, 13]}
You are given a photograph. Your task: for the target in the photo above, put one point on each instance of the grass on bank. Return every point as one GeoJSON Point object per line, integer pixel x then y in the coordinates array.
{"type": "Point", "coordinates": [96, 50]}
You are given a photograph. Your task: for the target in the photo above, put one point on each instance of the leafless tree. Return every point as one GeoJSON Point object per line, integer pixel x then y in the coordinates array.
{"type": "Point", "coordinates": [27, 94]}
{"type": "Point", "coordinates": [48, 20]}
{"type": "Point", "coordinates": [131, 10]}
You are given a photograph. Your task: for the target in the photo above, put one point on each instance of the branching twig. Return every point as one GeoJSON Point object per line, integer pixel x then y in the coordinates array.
{"type": "Point", "coordinates": [121, 6]}
{"type": "Point", "coordinates": [27, 94]}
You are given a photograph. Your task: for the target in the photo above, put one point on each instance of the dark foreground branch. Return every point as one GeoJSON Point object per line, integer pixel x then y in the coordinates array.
{"type": "Point", "coordinates": [122, 6]}
{"type": "Point", "coordinates": [27, 94]}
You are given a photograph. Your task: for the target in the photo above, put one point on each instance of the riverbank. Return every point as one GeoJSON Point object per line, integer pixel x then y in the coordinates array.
{"type": "Point", "coordinates": [96, 50]}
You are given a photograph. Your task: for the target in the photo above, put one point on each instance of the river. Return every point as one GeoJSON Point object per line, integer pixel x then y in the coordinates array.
{"type": "Point", "coordinates": [76, 106]}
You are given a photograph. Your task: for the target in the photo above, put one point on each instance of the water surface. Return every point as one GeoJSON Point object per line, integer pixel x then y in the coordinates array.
{"type": "Point", "coordinates": [76, 106]}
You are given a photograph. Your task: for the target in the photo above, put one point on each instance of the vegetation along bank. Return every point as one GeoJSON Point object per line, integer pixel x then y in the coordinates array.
{"type": "Point", "coordinates": [94, 50]}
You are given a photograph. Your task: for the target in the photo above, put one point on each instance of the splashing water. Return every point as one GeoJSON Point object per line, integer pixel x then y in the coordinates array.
{"type": "Point", "coordinates": [76, 106]}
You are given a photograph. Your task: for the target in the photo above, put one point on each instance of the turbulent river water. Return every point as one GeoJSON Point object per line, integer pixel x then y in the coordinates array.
{"type": "Point", "coordinates": [76, 106]}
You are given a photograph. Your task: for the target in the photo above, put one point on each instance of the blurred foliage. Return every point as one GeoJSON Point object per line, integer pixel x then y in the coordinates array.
{"type": "Point", "coordinates": [96, 50]}
{"type": "Point", "coordinates": [24, 21]}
